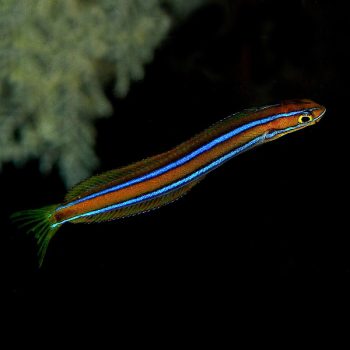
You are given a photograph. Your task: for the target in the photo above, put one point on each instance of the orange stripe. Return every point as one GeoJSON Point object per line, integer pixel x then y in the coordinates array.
{"type": "Point", "coordinates": [164, 179]}
{"type": "Point", "coordinates": [196, 163]}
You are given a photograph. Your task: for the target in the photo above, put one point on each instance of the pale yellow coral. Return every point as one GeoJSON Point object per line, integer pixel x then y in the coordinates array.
{"type": "Point", "coordinates": [54, 59]}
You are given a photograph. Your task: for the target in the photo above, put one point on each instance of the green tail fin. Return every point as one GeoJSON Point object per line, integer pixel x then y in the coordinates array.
{"type": "Point", "coordinates": [37, 222]}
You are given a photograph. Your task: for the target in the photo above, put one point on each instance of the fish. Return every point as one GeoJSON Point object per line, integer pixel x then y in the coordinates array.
{"type": "Point", "coordinates": [159, 180]}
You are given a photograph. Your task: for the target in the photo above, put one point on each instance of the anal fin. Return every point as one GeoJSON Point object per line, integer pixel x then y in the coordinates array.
{"type": "Point", "coordinates": [139, 208]}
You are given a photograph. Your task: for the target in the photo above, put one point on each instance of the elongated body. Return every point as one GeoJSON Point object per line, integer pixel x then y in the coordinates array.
{"type": "Point", "coordinates": [161, 179]}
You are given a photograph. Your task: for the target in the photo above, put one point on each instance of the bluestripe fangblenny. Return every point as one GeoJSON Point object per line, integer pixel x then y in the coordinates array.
{"type": "Point", "coordinates": [161, 179]}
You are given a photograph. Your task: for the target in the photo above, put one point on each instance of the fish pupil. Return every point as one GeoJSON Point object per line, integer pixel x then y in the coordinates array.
{"type": "Point", "coordinates": [305, 119]}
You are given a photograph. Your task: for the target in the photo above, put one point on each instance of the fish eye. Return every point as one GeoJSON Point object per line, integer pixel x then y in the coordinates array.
{"type": "Point", "coordinates": [305, 118]}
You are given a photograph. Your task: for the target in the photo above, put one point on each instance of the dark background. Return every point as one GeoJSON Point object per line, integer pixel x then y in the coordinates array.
{"type": "Point", "coordinates": [271, 214]}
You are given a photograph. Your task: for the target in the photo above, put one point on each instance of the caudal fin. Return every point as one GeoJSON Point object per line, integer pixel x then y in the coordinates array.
{"type": "Point", "coordinates": [39, 223]}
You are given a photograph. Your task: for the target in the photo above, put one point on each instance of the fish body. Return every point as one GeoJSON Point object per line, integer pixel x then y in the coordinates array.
{"type": "Point", "coordinates": [159, 180]}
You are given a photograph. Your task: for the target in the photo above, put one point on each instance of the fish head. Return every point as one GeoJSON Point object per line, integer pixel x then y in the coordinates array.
{"type": "Point", "coordinates": [294, 115]}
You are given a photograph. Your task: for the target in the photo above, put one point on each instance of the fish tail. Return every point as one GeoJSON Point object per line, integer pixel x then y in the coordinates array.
{"type": "Point", "coordinates": [41, 224]}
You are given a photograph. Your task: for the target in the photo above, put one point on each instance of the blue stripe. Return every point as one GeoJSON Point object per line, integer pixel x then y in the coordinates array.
{"type": "Point", "coordinates": [184, 159]}
{"type": "Point", "coordinates": [171, 187]}
{"type": "Point", "coordinates": [283, 131]}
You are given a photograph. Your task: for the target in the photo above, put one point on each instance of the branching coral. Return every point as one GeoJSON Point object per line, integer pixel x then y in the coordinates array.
{"type": "Point", "coordinates": [55, 56]}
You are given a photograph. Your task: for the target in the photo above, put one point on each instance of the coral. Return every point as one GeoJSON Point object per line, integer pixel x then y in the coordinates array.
{"type": "Point", "coordinates": [55, 57]}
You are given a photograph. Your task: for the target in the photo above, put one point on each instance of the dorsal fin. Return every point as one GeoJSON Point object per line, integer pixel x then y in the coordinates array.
{"type": "Point", "coordinates": [98, 182]}
{"type": "Point", "coordinates": [114, 177]}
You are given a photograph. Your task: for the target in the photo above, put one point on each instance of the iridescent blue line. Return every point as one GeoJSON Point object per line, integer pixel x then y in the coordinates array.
{"type": "Point", "coordinates": [171, 187]}
{"type": "Point", "coordinates": [283, 131]}
{"type": "Point", "coordinates": [184, 159]}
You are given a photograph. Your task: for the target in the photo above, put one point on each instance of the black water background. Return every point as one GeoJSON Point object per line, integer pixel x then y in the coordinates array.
{"type": "Point", "coordinates": [270, 214]}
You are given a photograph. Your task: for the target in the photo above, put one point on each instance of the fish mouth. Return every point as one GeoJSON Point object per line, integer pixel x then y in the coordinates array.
{"type": "Point", "coordinates": [319, 112]}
